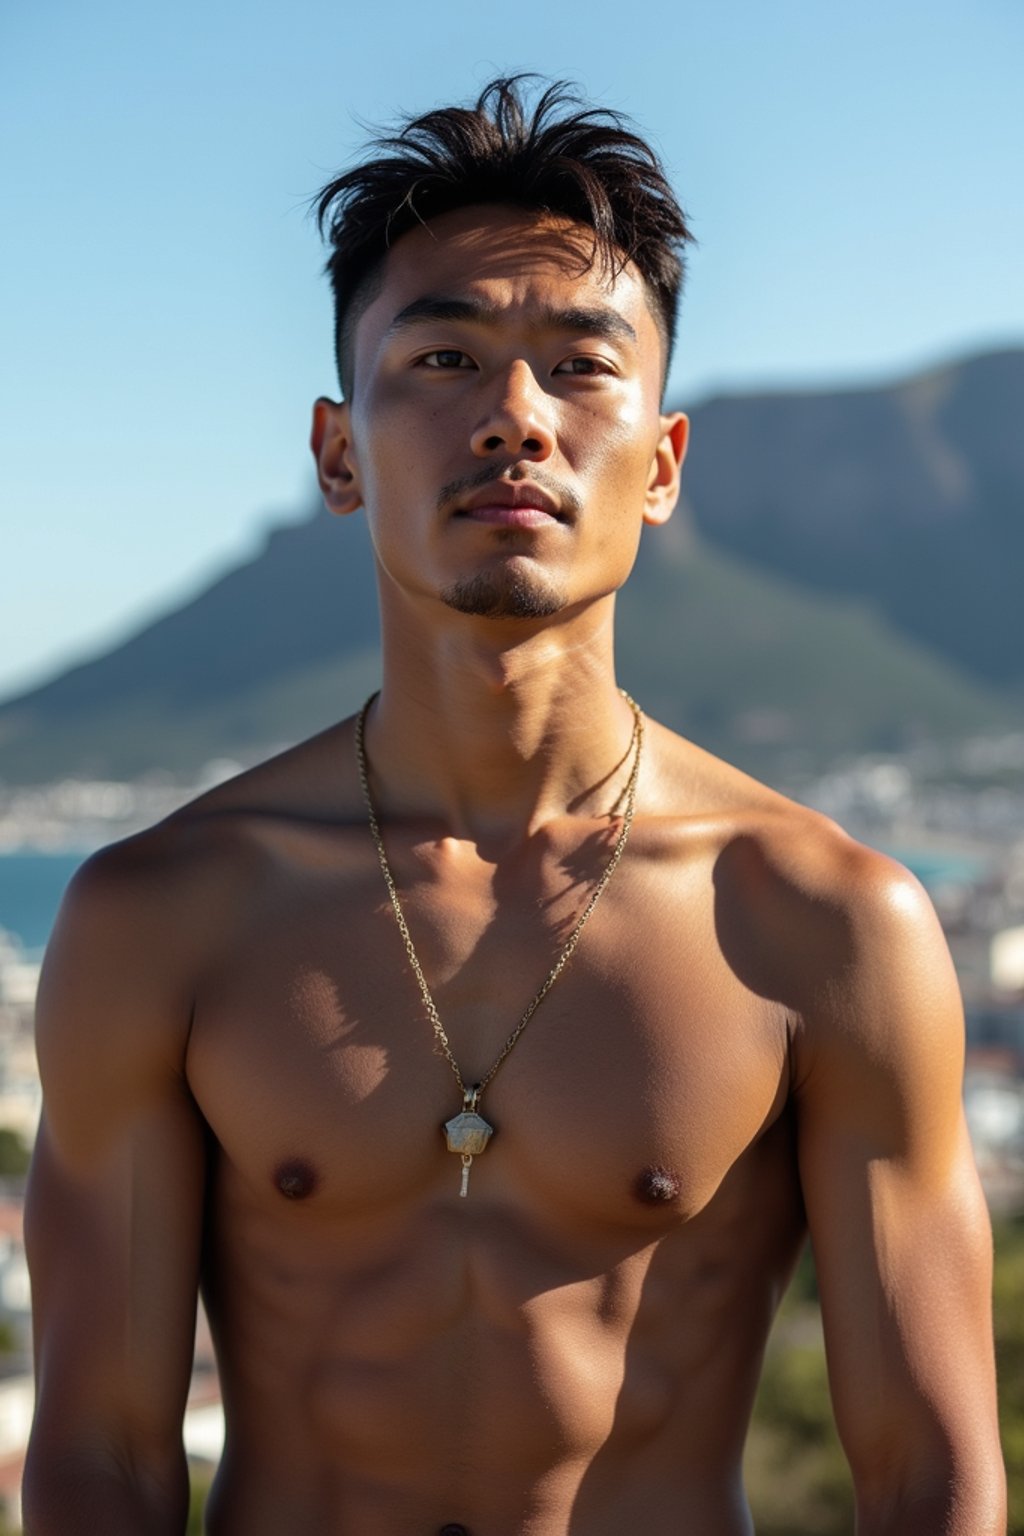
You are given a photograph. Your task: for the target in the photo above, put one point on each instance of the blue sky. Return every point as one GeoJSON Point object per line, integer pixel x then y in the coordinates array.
{"type": "Point", "coordinates": [852, 173]}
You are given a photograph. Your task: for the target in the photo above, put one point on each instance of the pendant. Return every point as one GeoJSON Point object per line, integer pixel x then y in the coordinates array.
{"type": "Point", "coordinates": [467, 1134]}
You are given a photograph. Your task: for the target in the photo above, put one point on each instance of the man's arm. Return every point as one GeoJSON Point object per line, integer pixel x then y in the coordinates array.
{"type": "Point", "coordinates": [898, 1224]}
{"type": "Point", "coordinates": [114, 1211]}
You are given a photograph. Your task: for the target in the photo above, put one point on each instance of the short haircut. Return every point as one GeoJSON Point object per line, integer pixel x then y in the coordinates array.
{"type": "Point", "coordinates": [563, 158]}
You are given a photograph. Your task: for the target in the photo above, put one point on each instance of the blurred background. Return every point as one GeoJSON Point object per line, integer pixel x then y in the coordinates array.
{"type": "Point", "coordinates": [836, 605]}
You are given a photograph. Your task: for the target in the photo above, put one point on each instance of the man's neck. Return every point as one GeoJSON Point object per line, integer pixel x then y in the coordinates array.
{"type": "Point", "coordinates": [496, 727]}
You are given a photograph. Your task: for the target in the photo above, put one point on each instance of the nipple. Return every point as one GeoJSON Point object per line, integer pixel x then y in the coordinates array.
{"type": "Point", "coordinates": [295, 1178]}
{"type": "Point", "coordinates": [656, 1186]}
{"type": "Point", "coordinates": [453, 1530]}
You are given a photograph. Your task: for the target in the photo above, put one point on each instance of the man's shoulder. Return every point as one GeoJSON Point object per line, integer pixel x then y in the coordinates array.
{"type": "Point", "coordinates": [796, 848]}
{"type": "Point", "coordinates": [173, 879]}
{"type": "Point", "coordinates": [796, 896]}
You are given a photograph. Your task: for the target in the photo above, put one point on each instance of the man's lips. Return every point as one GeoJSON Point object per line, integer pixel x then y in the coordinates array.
{"type": "Point", "coordinates": [509, 517]}
{"type": "Point", "coordinates": [512, 504]}
{"type": "Point", "coordinates": [530, 499]}
{"type": "Point", "coordinates": [506, 504]}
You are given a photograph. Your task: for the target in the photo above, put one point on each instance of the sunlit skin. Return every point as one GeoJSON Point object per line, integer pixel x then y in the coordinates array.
{"type": "Point", "coordinates": [760, 1032]}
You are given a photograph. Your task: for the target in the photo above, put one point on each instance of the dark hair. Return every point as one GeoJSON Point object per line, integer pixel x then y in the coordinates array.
{"type": "Point", "coordinates": [585, 165]}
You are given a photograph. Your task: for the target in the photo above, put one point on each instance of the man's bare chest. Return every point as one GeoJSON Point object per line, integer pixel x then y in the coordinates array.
{"type": "Point", "coordinates": [644, 1074]}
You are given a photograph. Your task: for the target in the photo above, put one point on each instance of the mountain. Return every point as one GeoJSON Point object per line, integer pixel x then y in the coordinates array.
{"type": "Point", "coordinates": [256, 660]}
{"type": "Point", "coordinates": [910, 498]}
{"type": "Point", "coordinates": [783, 605]}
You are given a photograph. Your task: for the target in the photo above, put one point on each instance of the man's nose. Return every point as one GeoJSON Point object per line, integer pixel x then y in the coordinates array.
{"type": "Point", "coordinates": [517, 419]}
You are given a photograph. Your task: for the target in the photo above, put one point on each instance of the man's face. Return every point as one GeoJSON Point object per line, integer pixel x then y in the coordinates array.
{"type": "Point", "coordinates": [505, 434]}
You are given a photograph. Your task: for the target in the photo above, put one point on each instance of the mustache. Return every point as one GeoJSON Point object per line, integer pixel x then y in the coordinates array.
{"type": "Point", "coordinates": [568, 499]}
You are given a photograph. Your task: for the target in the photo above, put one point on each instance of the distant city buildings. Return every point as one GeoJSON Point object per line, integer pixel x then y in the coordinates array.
{"type": "Point", "coordinates": [79, 815]}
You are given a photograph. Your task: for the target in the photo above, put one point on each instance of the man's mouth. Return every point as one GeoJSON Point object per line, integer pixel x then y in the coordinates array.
{"type": "Point", "coordinates": [508, 504]}
{"type": "Point", "coordinates": [509, 517]}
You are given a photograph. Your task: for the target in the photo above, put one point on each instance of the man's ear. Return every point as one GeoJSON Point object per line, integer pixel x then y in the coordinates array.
{"type": "Point", "coordinates": [331, 442]}
{"type": "Point", "coordinates": [666, 468]}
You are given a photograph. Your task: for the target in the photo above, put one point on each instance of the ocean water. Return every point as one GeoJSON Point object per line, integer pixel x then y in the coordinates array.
{"type": "Point", "coordinates": [31, 886]}
{"type": "Point", "coordinates": [940, 868]}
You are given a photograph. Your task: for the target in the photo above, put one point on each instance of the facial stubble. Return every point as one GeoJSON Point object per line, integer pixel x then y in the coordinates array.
{"type": "Point", "coordinates": [507, 592]}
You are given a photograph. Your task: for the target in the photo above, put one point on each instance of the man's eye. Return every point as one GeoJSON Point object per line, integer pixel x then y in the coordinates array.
{"type": "Point", "coordinates": [584, 366]}
{"type": "Point", "coordinates": [446, 357]}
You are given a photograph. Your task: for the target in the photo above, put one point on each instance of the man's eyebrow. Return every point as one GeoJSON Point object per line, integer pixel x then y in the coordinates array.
{"type": "Point", "coordinates": [596, 321]}
{"type": "Point", "coordinates": [436, 307]}
{"type": "Point", "coordinates": [581, 320]}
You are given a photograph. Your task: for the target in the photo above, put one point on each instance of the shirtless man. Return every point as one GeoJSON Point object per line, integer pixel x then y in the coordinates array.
{"type": "Point", "coordinates": [559, 1330]}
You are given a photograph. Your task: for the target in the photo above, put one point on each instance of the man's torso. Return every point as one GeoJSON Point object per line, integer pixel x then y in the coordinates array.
{"type": "Point", "coordinates": [576, 1342]}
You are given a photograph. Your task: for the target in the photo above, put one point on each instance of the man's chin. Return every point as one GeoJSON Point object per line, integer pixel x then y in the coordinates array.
{"type": "Point", "coordinates": [505, 594]}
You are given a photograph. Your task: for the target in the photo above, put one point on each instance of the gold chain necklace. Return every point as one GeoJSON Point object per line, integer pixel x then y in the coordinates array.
{"type": "Point", "coordinates": [468, 1133]}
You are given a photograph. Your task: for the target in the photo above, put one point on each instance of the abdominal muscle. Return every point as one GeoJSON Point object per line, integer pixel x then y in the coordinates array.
{"type": "Point", "coordinates": [491, 1375]}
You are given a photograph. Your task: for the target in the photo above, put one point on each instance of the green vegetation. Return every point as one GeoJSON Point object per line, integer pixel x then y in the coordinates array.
{"type": "Point", "coordinates": [197, 1503]}
{"type": "Point", "coordinates": [1009, 1319]}
{"type": "Point", "coordinates": [14, 1156]}
{"type": "Point", "coordinates": [796, 1473]}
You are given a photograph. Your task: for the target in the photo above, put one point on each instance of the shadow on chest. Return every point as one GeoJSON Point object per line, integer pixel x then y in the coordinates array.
{"type": "Point", "coordinates": [633, 1088]}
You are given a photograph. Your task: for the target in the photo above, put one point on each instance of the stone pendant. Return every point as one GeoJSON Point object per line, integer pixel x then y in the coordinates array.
{"type": "Point", "coordinates": [467, 1135]}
